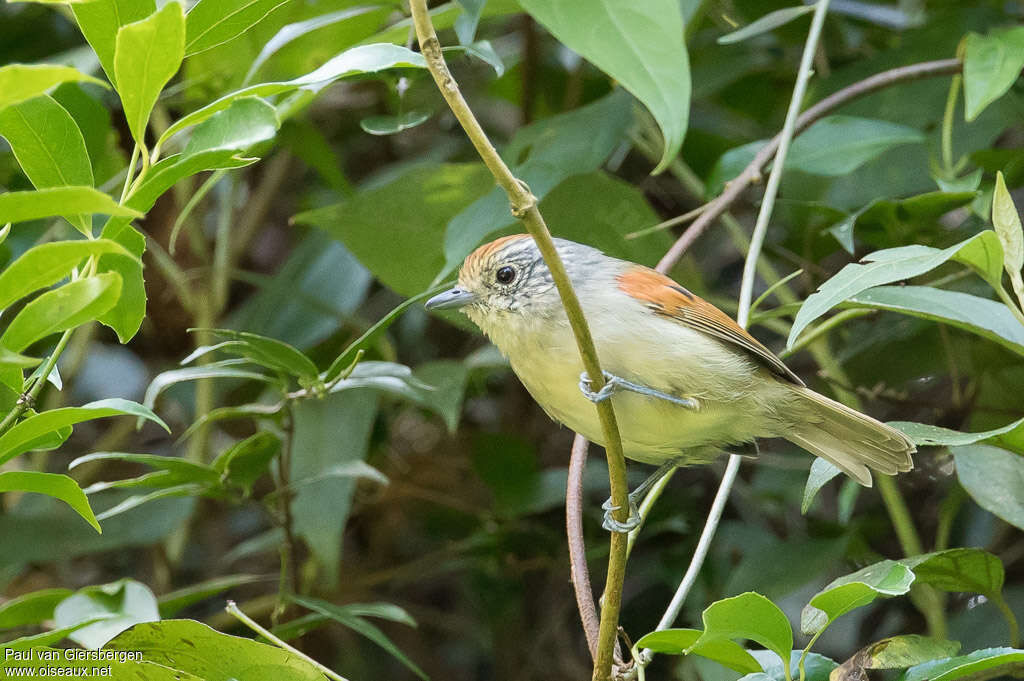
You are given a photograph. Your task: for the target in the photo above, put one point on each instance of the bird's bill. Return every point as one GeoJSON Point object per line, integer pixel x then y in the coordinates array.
{"type": "Point", "coordinates": [451, 299]}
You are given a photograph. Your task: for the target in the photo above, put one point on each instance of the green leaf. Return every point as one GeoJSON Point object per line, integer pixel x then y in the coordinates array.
{"type": "Point", "coordinates": [356, 61]}
{"type": "Point", "coordinates": [542, 155]}
{"type": "Point", "coordinates": [126, 317]}
{"type": "Point", "coordinates": [14, 441]}
{"type": "Point", "coordinates": [247, 122]}
{"type": "Point", "coordinates": [183, 469]}
{"type": "Point", "coordinates": [49, 147]}
{"type": "Point", "coordinates": [9, 358]}
{"type": "Point", "coordinates": [1006, 221]}
{"type": "Point", "coordinates": [638, 44]}
{"type": "Point", "coordinates": [924, 434]}
{"type": "Point", "coordinates": [349, 615]}
{"type": "Point", "coordinates": [62, 308]}
{"type": "Point", "coordinates": [389, 377]}
{"type": "Point", "coordinates": [270, 352]}
{"type": "Point", "coordinates": [748, 616]}
{"type": "Point", "coordinates": [19, 82]}
{"type": "Point", "coordinates": [99, 21]}
{"type": "Point", "coordinates": [134, 501]}
{"type": "Point", "coordinates": [243, 463]}
{"type": "Point", "coordinates": [890, 265]}
{"type": "Point", "coordinates": [448, 380]}
{"type": "Point", "coordinates": [992, 64]}
{"type": "Point", "coordinates": [821, 472]}
{"type": "Point", "coordinates": [53, 485]}
{"type": "Point", "coordinates": [986, 318]}
{"type": "Point", "coordinates": [328, 432]}
{"type": "Point", "coordinates": [681, 642]}
{"type": "Point", "coordinates": [769, 22]}
{"type": "Point", "coordinates": [895, 652]}
{"type": "Point", "coordinates": [901, 219]}
{"type": "Point", "coordinates": [46, 264]}
{"type": "Point", "coordinates": [165, 379]}
{"type": "Point", "coordinates": [195, 648]}
{"type": "Point", "coordinates": [887, 578]}
{"type": "Point", "coordinates": [28, 205]}
{"type": "Point", "coordinates": [994, 478]}
{"type": "Point", "coordinates": [174, 602]}
{"type": "Point", "coordinates": [390, 125]}
{"type": "Point", "coordinates": [31, 608]}
{"type": "Point", "coordinates": [960, 570]}
{"type": "Point", "coordinates": [214, 22]}
{"type": "Point", "coordinates": [987, 663]}
{"type": "Point", "coordinates": [122, 604]}
{"type": "Point", "coordinates": [146, 56]}
{"type": "Point", "coordinates": [408, 264]}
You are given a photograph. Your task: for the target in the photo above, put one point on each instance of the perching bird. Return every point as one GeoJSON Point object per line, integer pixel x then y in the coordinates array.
{"type": "Point", "coordinates": [686, 380]}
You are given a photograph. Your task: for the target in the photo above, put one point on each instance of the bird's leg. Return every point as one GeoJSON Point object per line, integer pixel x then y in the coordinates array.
{"type": "Point", "coordinates": [614, 384]}
{"type": "Point", "coordinates": [633, 521]}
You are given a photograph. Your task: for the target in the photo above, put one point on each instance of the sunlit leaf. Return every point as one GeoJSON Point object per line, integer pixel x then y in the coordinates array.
{"type": "Point", "coordinates": [212, 22]}
{"type": "Point", "coordinates": [19, 82]}
{"type": "Point", "coordinates": [992, 63]}
{"type": "Point", "coordinates": [52, 485]}
{"type": "Point", "coordinates": [52, 201]}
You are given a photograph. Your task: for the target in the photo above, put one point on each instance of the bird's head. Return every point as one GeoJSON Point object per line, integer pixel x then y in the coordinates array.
{"type": "Point", "coordinates": [506, 281]}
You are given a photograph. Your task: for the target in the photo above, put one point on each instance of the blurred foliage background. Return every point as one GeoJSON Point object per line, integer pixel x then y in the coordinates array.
{"type": "Point", "coordinates": [440, 488]}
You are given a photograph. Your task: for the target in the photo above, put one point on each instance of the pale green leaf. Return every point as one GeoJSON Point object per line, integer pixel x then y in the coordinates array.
{"type": "Point", "coordinates": [994, 478]}
{"type": "Point", "coordinates": [213, 22]}
{"type": "Point", "coordinates": [99, 21]}
{"type": "Point", "coordinates": [19, 82]}
{"type": "Point", "coordinates": [769, 22]}
{"type": "Point", "coordinates": [992, 64]}
{"type": "Point", "coordinates": [53, 485]}
{"type": "Point", "coordinates": [52, 201]}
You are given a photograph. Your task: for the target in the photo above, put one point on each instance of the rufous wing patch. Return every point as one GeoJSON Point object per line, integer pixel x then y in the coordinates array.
{"type": "Point", "coordinates": [668, 298]}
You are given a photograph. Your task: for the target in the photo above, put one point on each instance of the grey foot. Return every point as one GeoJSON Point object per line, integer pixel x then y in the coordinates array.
{"type": "Point", "coordinates": [614, 384]}
{"type": "Point", "coordinates": [612, 525]}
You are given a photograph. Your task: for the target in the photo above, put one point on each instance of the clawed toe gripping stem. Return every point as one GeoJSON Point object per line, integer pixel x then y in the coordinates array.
{"type": "Point", "coordinates": [614, 384]}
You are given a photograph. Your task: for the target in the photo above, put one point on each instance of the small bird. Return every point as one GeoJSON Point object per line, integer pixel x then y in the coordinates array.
{"type": "Point", "coordinates": [686, 381]}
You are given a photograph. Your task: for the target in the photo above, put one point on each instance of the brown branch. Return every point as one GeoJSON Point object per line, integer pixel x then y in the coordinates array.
{"type": "Point", "coordinates": [752, 173]}
{"type": "Point", "coordinates": [524, 207]}
{"type": "Point", "coordinates": [577, 548]}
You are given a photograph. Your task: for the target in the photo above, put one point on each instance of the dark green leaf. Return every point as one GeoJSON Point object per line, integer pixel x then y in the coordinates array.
{"type": "Point", "coordinates": [46, 264]}
{"type": "Point", "coordinates": [174, 602]}
{"type": "Point", "coordinates": [681, 642]}
{"type": "Point", "coordinates": [271, 353]}
{"type": "Point", "coordinates": [639, 45]}
{"type": "Point", "coordinates": [448, 380]}
{"type": "Point", "coordinates": [992, 64]}
{"type": "Point", "coordinates": [19, 82]}
{"type": "Point", "coordinates": [887, 578]}
{"type": "Point", "coordinates": [100, 20]}
{"type": "Point", "coordinates": [994, 478]}
{"type": "Point", "coordinates": [31, 608]}
{"type": "Point", "coordinates": [122, 604]}
{"type": "Point", "coordinates": [213, 22]}
{"type": "Point", "coordinates": [51, 484]}
{"type": "Point", "coordinates": [245, 461]}
{"type": "Point", "coordinates": [183, 469]}
{"type": "Point", "coordinates": [52, 201]}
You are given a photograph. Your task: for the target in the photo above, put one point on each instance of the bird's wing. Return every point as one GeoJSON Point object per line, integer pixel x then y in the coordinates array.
{"type": "Point", "coordinates": [668, 298]}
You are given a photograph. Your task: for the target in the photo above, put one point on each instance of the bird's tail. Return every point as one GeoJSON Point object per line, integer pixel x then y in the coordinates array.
{"type": "Point", "coordinates": [852, 441]}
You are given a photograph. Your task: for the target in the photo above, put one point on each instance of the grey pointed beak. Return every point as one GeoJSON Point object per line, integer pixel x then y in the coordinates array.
{"type": "Point", "coordinates": [451, 299]}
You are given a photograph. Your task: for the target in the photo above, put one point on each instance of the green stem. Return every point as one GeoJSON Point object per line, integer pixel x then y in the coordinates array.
{"type": "Point", "coordinates": [251, 623]}
{"type": "Point", "coordinates": [128, 175]}
{"type": "Point", "coordinates": [1008, 301]}
{"type": "Point", "coordinates": [947, 126]}
{"type": "Point", "coordinates": [26, 401]}
{"type": "Point", "coordinates": [524, 207]}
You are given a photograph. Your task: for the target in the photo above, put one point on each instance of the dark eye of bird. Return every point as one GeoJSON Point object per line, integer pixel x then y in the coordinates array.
{"type": "Point", "coordinates": [505, 275]}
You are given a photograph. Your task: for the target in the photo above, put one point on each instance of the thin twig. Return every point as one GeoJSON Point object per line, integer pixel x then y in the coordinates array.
{"type": "Point", "coordinates": [524, 207]}
{"type": "Point", "coordinates": [577, 549]}
{"type": "Point", "coordinates": [752, 173]}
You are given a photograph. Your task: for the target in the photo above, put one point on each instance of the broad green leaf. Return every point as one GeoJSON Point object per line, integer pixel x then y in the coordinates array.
{"type": "Point", "coordinates": [14, 441]}
{"type": "Point", "coordinates": [174, 602]}
{"type": "Point", "coordinates": [465, 25]}
{"type": "Point", "coordinates": [146, 56]}
{"type": "Point", "coordinates": [247, 122]}
{"type": "Point", "coordinates": [49, 147]}
{"type": "Point", "coordinates": [271, 353]}
{"type": "Point", "coordinates": [890, 265]}
{"type": "Point", "coordinates": [987, 663]}
{"type": "Point", "coordinates": [769, 22]}
{"type": "Point", "coordinates": [49, 202]}
{"type": "Point", "coordinates": [992, 64]}
{"type": "Point", "coordinates": [122, 604]}
{"type": "Point", "coordinates": [19, 82]}
{"type": "Point", "coordinates": [41, 661]}
{"type": "Point", "coordinates": [62, 308]}
{"type": "Point", "coordinates": [986, 318]}
{"type": "Point", "coordinates": [748, 616]}
{"type": "Point", "coordinates": [164, 380]}
{"type": "Point", "coordinates": [994, 478]}
{"type": "Point", "coordinates": [638, 44]}
{"type": "Point", "coordinates": [213, 22]}
{"type": "Point", "coordinates": [407, 264]}
{"type": "Point", "coordinates": [352, 62]}
{"type": "Point", "coordinates": [294, 31]}
{"type": "Point", "coordinates": [681, 642]}
{"type": "Point", "coordinates": [895, 652]}
{"type": "Point", "coordinates": [31, 608]}
{"type": "Point", "coordinates": [924, 434]}
{"type": "Point", "coordinates": [900, 218]}
{"type": "Point", "coordinates": [53, 485]}
{"type": "Point", "coordinates": [816, 667]}
{"type": "Point", "coordinates": [542, 155]}
{"type": "Point", "coordinates": [390, 125]}
{"type": "Point", "coordinates": [243, 463]}
{"type": "Point", "coordinates": [350, 616]}
{"type": "Point", "coordinates": [821, 473]}
{"type": "Point", "coordinates": [47, 264]}
{"type": "Point", "coordinates": [126, 317]}
{"type": "Point", "coordinates": [835, 145]}
{"type": "Point", "coordinates": [448, 380]}
{"type": "Point", "coordinates": [1006, 221]}
{"type": "Point", "coordinates": [99, 21]}
{"type": "Point", "coordinates": [328, 432]}
{"type": "Point", "coordinates": [21, 361]}
{"type": "Point", "coordinates": [195, 648]}
{"type": "Point", "coordinates": [887, 578]}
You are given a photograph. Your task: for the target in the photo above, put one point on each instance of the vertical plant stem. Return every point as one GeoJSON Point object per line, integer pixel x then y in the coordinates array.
{"type": "Point", "coordinates": [524, 207]}
{"type": "Point", "coordinates": [289, 581]}
{"type": "Point", "coordinates": [947, 126]}
{"type": "Point", "coordinates": [26, 401]}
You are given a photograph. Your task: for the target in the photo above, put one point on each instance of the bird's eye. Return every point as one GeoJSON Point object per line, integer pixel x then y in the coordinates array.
{"type": "Point", "coordinates": [505, 275]}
